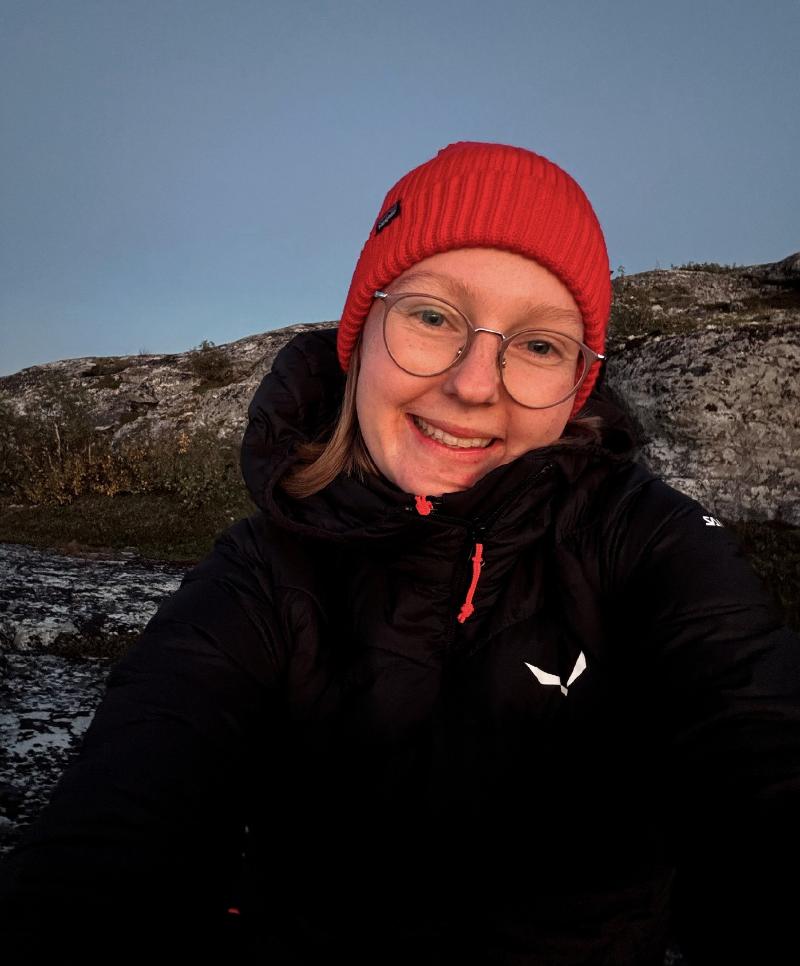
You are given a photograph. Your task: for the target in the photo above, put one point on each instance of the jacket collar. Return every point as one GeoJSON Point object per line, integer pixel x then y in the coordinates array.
{"type": "Point", "coordinates": [301, 396]}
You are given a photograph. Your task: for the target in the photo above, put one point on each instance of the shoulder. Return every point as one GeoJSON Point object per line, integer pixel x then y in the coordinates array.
{"type": "Point", "coordinates": [240, 604]}
{"type": "Point", "coordinates": [640, 511]}
{"type": "Point", "coordinates": [646, 515]}
{"type": "Point", "coordinates": [626, 497]}
{"type": "Point", "coordinates": [667, 556]}
{"type": "Point", "coordinates": [632, 520]}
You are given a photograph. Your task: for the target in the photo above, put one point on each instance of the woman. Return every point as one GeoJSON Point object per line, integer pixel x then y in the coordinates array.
{"type": "Point", "coordinates": [472, 686]}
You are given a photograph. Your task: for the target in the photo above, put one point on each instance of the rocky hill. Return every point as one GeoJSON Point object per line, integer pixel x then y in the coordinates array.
{"type": "Point", "coordinates": [705, 358]}
{"type": "Point", "coordinates": [208, 387]}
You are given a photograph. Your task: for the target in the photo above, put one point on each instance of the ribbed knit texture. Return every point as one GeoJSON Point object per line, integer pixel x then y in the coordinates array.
{"type": "Point", "coordinates": [473, 195]}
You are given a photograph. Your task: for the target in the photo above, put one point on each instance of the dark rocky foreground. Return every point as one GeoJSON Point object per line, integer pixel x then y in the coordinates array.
{"type": "Point", "coordinates": [91, 605]}
{"type": "Point", "coordinates": [64, 621]}
{"type": "Point", "coordinates": [47, 704]}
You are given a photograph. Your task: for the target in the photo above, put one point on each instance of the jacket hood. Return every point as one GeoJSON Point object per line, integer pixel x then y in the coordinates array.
{"type": "Point", "coordinates": [299, 400]}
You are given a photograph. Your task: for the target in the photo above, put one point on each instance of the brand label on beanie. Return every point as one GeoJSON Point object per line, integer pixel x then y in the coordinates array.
{"type": "Point", "coordinates": [390, 215]}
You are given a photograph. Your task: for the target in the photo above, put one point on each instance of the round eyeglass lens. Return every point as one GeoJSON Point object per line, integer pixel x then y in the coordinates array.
{"type": "Point", "coordinates": [423, 335]}
{"type": "Point", "coordinates": [541, 368]}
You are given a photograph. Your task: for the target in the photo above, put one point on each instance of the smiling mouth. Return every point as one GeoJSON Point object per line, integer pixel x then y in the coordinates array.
{"type": "Point", "coordinates": [456, 442]}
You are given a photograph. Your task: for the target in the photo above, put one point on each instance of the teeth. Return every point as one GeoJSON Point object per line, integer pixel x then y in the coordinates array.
{"type": "Point", "coordinates": [449, 440]}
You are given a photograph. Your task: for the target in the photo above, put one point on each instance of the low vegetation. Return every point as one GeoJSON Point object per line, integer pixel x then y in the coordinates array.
{"type": "Point", "coordinates": [155, 526]}
{"type": "Point", "coordinates": [108, 366]}
{"type": "Point", "coordinates": [713, 267]}
{"type": "Point", "coordinates": [167, 495]}
{"type": "Point", "coordinates": [631, 310]}
{"type": "Point", "coordinates": [211, 365]}
{"type": "Point", "coordinates": [668, 303]}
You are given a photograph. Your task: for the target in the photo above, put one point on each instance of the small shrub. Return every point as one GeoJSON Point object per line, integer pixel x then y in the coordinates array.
{"type": "Point", "coordinates": [199, 469]}
{"type": "Point", "coordinates": [108, 382]}
{"type": "Point", "coordinates": [42, 453]}
{"type": "Point", "coordinates": [713, 267]}
{"type": "Point", "coordinates": [783, 298]}
{"type": "Point", "coordinates": [106, 367]}
{"type": "Point", "coordinates": [631, 311]}
{"type": "Point", "coordinates": [211, 365]}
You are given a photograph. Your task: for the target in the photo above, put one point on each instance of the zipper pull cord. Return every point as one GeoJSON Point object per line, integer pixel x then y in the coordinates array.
{"type": "Point", "coordinates": [467, 607]}
{"type": "Point", "coordinates": [423, 505]}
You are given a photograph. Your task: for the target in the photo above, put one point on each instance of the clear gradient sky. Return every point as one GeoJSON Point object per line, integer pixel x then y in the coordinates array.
{"type": "Point", "coordinates": [179, 170]}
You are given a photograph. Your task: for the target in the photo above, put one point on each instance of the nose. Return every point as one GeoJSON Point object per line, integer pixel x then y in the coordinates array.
{"type": "Point", "coordinates": [476, 378]}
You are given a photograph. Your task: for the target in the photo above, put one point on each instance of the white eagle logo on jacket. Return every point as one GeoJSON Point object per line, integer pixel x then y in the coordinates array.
{"type": "Point", "coordinates": [545, 677]}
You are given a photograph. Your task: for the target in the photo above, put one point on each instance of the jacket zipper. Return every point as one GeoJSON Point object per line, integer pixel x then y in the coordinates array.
{"type": "Point", "coordinates": [426, 506]}
{"type": "Point", "coordinates": [467, 608]}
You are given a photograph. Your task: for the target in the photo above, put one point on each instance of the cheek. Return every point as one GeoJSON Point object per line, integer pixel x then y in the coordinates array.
{"type": "Point", "coordinates": [366, 407]}
{"type": "Point", "coordinates": [383, 390]}
{"type": "Point", "coordinates": [540, 429]}
{"type": "Point", "coordinates": [375, 405]}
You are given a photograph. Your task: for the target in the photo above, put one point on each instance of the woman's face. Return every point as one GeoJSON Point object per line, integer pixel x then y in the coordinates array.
{"type": "Point", "coordinates": [495, 289]}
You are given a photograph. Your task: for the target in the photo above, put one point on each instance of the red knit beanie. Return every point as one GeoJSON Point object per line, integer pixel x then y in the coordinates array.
{"type": "Point", "coordinates": [473, 195]}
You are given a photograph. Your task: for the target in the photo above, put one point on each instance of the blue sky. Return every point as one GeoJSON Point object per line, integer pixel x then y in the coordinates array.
{"type": "Point", "coordinates": [173, 171]}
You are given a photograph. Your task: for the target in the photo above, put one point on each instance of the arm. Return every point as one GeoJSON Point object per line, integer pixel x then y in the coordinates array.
{"type": "Point", "coordinates": [724, 675]}
{"type": "Point", "coordinates": [143, 834]}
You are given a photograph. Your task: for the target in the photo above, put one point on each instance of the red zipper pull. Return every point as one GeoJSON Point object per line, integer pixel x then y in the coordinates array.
{"type": "Point", "coordinates": [467, 607]}
{"type": "Point", "coordinates": [424, 505]}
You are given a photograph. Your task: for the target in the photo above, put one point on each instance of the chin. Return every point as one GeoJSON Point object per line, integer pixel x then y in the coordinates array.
{"type": "Point", "coordinates": [440, 487]}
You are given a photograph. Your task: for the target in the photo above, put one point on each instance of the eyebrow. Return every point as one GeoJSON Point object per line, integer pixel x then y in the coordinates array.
{"type": "Point", "coordinates": [531, 309]}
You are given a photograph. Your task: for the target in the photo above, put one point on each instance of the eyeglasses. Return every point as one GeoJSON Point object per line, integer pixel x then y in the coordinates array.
{"type": "Point", "coordinates": [426, 336]}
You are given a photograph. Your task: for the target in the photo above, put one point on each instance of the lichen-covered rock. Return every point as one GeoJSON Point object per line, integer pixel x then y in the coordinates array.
{"type": "Point", "coordinates": [718, 414]}
{"type": "Point", "coordinates": [75, 606]}
{"type": "Point", "coordinates": [65, 620]}
{"type": "Point", "coordinates": [207, 389]}
{"type": "Point", "coordinates": [712, 380]}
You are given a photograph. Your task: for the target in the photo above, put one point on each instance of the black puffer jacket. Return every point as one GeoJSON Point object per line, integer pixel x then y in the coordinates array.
{"type": "Point", "coordinates": [308, 755]}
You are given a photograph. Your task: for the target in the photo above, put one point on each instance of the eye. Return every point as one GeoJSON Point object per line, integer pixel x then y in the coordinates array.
{"type": "Point", "coordinates": [429, 314]}
{"type": "Point", "coordinates": [426, 315]}
{"type": "Point", "coordinates": [431, 317]}
{"type": "Point", "coordinates": [539, 347]}
{"type": "Point", "coordinates": [543, 349]}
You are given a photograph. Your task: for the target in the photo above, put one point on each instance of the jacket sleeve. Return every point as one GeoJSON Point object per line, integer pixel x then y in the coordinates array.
{"type": "Point", "coordinates": [142, 838]}
{"type": "Point", "coordinates": [722, 675]}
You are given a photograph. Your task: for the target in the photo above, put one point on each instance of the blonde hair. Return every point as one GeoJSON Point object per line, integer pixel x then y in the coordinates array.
{"type": "Point", "coordinates": [320, 462]}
